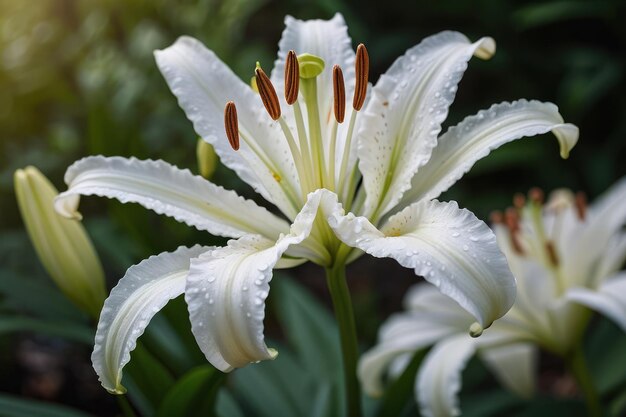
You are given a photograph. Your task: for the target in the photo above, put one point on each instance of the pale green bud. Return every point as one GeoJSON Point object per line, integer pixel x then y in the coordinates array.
{"type": "Point", "coordinates": [63, 246]}
{"type": "Point", "coordinates": [207, 158]}
{"type": "Point", "coordinates": [310, 65]}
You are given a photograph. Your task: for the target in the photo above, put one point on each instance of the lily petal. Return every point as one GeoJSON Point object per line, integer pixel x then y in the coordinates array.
{"type": "Point", "coordinates": [472, 139]}
{"type": "Point", "coordinates": [515, 366]}
{"type": "Point", "coordinates": [167, 190]}
{"type": "Point", "coordinates": [605, 219]}
{"type": "Point", "coordinates": [432, 317]}
{"type": "Point", "coordinates": [227, 288]}
{"type": "Point", "coordinates": [610, 299]}
{"type": "Point", "coordinates": [403, 119]}
{"type": "Point", "coordinates": [447, 246]}
{"type": "Point", "coordinates": [439, 378]}
{"type": "Point", "coordinates": [203, 84]}
{"type": "Point", "coordinates": [139, 295]}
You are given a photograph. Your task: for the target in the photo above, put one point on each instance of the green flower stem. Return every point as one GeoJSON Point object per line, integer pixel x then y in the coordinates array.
{"type": "Point", "coordinates": [578, 366]}
{"type": "Point", "coordinates": [125, 407]}
{"type": "Point", "coordinates": [342, 304]}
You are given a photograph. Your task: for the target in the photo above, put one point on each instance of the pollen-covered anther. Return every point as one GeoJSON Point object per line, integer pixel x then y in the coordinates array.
{"type": "Point", "coordinates": [292, 78]}
{"type": "Point", "coordinates": [339, 91]}
{"type": "Point", "coordinates": [552, 255]}
{"type": "Point", "coordinates": [581, 205]}
{"type": "Point", "coordinates": [231, 125]}
{"type": "Point", "coordinates": [536, 195]}
{"type": "Point", "coordinates": [362, 70]}
{"type": "Point", "coordinates": [267, 93]}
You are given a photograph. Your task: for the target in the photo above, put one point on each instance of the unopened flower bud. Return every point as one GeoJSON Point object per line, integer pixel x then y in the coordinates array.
{"type": "Point", "coordinates": [63, 246]}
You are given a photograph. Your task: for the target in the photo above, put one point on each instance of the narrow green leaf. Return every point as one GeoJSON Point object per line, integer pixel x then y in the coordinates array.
{"type": "Point", "coordinates": [193, 395]}
{"type": "Point", "coordinates": [281, 387]}
{"type": "Point", "coordinates": [227, 406]}
{"type": "Point", "coordinates": [63, 329]}
{"type": "Point", "coordinates": [11, 406]}
{"type": "Point", "coordinates": [149, 380]}
{"type": "Point", "coordinates": [310, 329]}
{"type": "Point", "coordinates": [401, 392]}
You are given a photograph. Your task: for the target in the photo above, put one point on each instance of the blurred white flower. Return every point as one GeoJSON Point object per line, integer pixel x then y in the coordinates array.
{"type": "Point", "coordinates": [566, 258]}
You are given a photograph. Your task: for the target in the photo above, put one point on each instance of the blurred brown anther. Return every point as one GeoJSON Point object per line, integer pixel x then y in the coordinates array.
{"type": "Point", "coordinates": [496, 217]}
{"type": "Point", "coordinates": [339, 91]}
{"type": "Point", "coordinates": [519, 201]}
{"type": "Point", "coordinates": [292, 78]}
{"type": "Point", "coordinates": [362, 70]}
{"type": "Point", "coordinates": [231, 125]}
{"type": "Point", "coordinates": [581, 205]}
{"type": "Point", "coordinates": [552, 255]}
{"type": "Point", "coordinates": [511, 220]}
{"type": "Point", "coordinates": [267, 93]}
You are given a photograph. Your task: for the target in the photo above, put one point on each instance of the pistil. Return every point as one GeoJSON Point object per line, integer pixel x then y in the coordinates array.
{"type": "Point", "coordinates": [310, 67]}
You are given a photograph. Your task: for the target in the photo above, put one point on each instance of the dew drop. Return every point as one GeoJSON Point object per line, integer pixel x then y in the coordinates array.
{"type": "Point", "coordinates": [456, 234]}
{"type": "Point", "coordinates": [465, 248]}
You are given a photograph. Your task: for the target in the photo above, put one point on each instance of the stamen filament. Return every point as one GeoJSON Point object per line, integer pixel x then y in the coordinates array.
{"type": "Point", "coordinates": [258, 152]}
{"type": "Point", "coordinates": [305, 151]}
{"type": "Point", "coordinates": [345, 157]}
{"type": "Point", "coordinates": [332, 156]}
{"type": "Point", "coordinates": [297, 158]}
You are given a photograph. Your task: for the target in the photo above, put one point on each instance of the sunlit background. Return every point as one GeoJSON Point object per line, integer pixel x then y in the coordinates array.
{"type": "Point", "coordinates": [78, 78]}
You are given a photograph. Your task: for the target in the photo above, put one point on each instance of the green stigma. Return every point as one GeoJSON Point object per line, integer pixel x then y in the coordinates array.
{"type": "Point", "coordinates": [310, 65]}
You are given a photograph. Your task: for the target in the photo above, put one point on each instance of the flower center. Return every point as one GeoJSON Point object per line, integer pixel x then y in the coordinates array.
{"type": "Point", "coordinates": [321, 160]}
{"type": "Point", "coordinates": [538, 236]}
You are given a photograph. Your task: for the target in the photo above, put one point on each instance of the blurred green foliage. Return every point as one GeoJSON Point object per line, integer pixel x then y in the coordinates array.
{"type": "Point", "coordinates": [77, 77]}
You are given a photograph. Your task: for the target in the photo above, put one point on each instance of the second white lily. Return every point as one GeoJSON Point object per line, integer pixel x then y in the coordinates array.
{"type": "Point", "coordinates": [384, 167]}
{"type": "Point", "coordinates": [566, 258]}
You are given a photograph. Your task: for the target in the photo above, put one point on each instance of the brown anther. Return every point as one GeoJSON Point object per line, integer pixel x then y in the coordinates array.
{"type": "Point", "coordinates": [511, 220]}
{"type": "Point", "coordinates": [231, 125]}
{"type": "Point", "coordinates": [292, 78]}
{"type": "Point", "coordinates": [581, 205]}
{"type": "Point", "coordinates": [552, 256]}
{"type": "Point", "coordinates": [536, 195]}
{"type": "Point", "coordinates": [519, 200]}
{"type": "Point", "coordinates": [362, 70]}
{"type": "Point", "coordinates": [339, 91]}
{"type": "Point", "coordinates": [268, 94]}
{"type": "Point", "coordinates": [496, 217]}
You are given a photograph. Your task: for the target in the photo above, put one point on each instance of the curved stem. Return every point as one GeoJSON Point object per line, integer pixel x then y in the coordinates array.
{"type": "Point", "coordinates": [578, 366]}
{"type": "Point", "coordinates": [342, 304]}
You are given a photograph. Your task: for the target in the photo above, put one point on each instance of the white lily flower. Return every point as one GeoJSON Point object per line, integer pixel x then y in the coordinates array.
{"type": "Point", "coordinates": [341, 188]}
{"type": "Point", "coordinates": [566, 258]}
